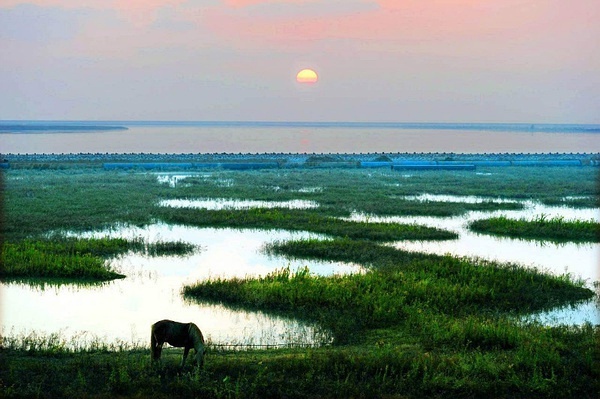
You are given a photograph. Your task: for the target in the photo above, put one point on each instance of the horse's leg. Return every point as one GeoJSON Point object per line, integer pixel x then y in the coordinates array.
{"type": "Point", "coordinates": [156, 351]}
{"type": "Point", "coordinates": [185, 354]}
{"type": "Point", "coordinates": [155, 347]}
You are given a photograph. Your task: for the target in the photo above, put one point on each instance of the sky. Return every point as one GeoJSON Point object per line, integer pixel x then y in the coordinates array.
{"type": "Point", "coordinates": [531, 61]}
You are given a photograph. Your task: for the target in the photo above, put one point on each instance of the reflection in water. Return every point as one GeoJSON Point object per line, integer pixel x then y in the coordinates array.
{"type": "Point", "coordinates": [580, 260]}
{"type": "Point", "coordinates": [123, 310]}
{"type": "Point", "coordinates": [49, 284]}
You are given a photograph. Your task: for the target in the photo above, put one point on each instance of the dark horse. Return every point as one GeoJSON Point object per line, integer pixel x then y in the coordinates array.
{"type": "Point", "coordinates": [186, 335]}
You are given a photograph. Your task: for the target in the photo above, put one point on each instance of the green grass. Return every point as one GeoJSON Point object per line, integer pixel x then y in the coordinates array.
{"type": "Point", "coordinates": [540, 228]}
{"type": "Point", "coordinates": [412, 326]}
{"type": "Point", "coordinates": [302, 220]}
{"type": "Point", "coordinates": [38, 201]}
{"type": "Point", "coordinates": [420, 325]}
{"type": "Point", "coordinates": [558, 362]}
{"type": "Point", "coordinates": [397, 284]}
{"type": "Point", "coordinates": [76, 258]}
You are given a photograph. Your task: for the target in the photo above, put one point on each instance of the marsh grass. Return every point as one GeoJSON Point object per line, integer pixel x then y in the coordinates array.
{"type": "Point", "coordinates": [48, 259]}
{"type": "Point", "coordinates": [412, 326]}
{"type": "Point", "coordinates": [82, 199]}
{"type": "Point", "coordinates": [38, 201]}
{"type": "Point", "coordinates": [425, 325]}
{"type": "Point", "coordinates": [302, 220]}
{"type": "Point", "coordinates": [398, 283]}
{"type": "Point", "coordinates": [540, 228]}
{"type": "Point", "coordinates": [76, 258]}
{"type": "Point", "coordinates": [543, 363]}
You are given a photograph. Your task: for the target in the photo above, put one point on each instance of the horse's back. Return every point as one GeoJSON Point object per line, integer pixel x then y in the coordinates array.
{"type": "Point", "coordinates": [163, 324]}
{"type": "Point", "coordinates": [172, 332]}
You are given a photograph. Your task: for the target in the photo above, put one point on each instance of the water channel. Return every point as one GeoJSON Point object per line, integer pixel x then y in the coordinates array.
{"type": "Point", "coordinates": [121, 311]}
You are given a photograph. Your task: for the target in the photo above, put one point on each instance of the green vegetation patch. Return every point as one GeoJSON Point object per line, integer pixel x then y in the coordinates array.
{"type": "Point", "coordinates": [414, 325]}
{"type": "Point", "coordinates": [391, 206]}
{"type": "Point", "coordinates": [540, 228]}
{"type": "Point", "coordinates": [38, 201]}
{"type": "Point", "coordinates": [397, 283]}
{"type": "Point", "coordinates": [80, 199]}
{"type": "Point", "coordinates": [302, 220]}
{"type": "Point", "coordinates": [76, 258]}
{"type": "Point", "coordinates": [555, 362]}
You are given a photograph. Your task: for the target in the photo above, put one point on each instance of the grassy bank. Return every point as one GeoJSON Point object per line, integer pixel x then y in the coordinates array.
{"type": "Point", "coordinates": [540, 228]}
{"type": "Point", "coordinates": [76, 258]}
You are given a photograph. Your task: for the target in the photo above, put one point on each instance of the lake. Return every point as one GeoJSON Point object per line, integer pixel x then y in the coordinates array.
{"type": "Point", "coordinates": [293, 137]}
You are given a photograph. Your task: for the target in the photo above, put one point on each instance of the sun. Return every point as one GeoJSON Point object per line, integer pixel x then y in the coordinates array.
{"type": "Point", "coordinates": [307, 76]}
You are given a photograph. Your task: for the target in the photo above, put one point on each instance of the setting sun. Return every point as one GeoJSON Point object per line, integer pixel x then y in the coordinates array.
{"type": "Point", "coordinates": [307, 76]}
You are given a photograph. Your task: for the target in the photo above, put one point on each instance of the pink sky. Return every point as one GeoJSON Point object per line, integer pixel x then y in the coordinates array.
{"type": "Point", "coordinates": [386, 60]}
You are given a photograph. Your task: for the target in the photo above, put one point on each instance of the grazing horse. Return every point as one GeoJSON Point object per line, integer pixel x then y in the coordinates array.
{"type": "Point", "coordinates": [186, 335]}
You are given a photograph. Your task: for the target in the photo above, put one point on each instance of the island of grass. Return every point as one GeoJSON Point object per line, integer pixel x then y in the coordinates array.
{"type": "Point", "coordinates": [302, 220]}
{"type": "Point", "coordinates": [76, 259]}
{"type": "Point", "coordinates": [540, 228]}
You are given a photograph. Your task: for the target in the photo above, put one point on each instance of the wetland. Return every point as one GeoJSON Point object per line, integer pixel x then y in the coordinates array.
{"type": "Point", "coordinates": [361, 281]}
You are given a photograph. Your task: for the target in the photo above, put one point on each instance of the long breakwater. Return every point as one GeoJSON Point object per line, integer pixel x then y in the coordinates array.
{"type": "Point", "coordinates": [394, 161]}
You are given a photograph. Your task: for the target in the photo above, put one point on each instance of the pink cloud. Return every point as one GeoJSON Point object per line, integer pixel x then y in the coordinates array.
{"type": "Point", "coordinates": [511, 31]}
{"type": "Point", "coordinates": [137, 12]}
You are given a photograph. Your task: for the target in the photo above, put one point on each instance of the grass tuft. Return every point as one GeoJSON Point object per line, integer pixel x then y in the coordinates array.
{"type": "Point", "coordinates": [540, 228]}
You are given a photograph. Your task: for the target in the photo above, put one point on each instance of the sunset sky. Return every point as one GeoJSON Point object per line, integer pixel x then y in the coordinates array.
{"type": "Point", "coordinates": [528, 61]}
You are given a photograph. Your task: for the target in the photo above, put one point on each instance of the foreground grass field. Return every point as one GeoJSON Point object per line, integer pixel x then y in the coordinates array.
{"type": "Point", "coordinates": [413, 325]}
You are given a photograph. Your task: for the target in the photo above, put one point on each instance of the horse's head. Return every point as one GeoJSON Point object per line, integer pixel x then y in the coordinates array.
{"type": "Point", "coordinates": [199, 358]}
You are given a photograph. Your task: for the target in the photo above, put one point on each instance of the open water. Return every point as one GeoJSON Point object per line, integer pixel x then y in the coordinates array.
{"type": "Point", "coordinates": [27, 137]}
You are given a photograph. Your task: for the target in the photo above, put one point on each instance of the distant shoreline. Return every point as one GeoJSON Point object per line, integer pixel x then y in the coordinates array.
{"type": "Point", "coordinates": [19, 126]}
{"type": "Point", "coordinates": [25, 128]}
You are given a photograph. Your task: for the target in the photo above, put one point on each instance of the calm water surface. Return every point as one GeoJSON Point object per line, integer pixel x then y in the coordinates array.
{"type": "Point", "coordinates": [291, 138]}
{"type": "Point", "coordinates": [123, 310]}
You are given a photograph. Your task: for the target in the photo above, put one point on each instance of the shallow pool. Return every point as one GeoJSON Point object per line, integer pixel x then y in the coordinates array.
{"type": "Point", "coordinates": [123, 310]}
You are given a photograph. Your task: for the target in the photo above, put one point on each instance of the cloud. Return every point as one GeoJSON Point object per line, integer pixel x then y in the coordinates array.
{"type": "Point", "coordinates": [34, 24]}
{"type": "Point", "coordinates": [302, 9]}
{"type": "Point", "coordinates": [236, 58]}
{"type": "Point", "coordinates": [137, 12]}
